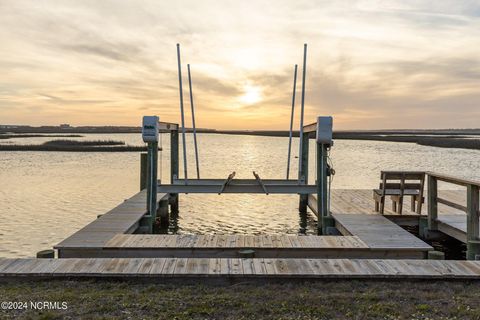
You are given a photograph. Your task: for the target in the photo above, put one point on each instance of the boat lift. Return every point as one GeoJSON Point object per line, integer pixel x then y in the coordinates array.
{"type": "Point", "coordinates": [321, 131]}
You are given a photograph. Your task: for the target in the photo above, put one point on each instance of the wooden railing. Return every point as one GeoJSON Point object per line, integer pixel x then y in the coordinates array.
{"type": "Point", "coordinates": [471, 209]}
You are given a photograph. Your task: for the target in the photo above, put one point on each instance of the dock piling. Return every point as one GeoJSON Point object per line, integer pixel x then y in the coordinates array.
{"type": "Point", "coordinates": [303, 171]}
{"type": "Point", "coordinates": [143, 171]}
{"type": "Point", "coordinates": [432, 203]}
{"type": "Point", "coordinates": [46, 254]}
{"type": "Point", "coordinates": [162, 212]}
{"type": "Point", "coordinates": [473, 243]}
{"type": "Point", "coordinates": [436, 255]}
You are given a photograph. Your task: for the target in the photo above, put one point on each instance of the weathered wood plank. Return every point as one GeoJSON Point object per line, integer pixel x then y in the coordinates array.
{"type": "Point", "coordinates": [122, 219]}
{"type": "Point", "coordinates": [142, 241]}
{"type": "Point", "coordinates": [266, 268]}
{"type": "Point", "coordinates": [158, 265]}
{"type": "Point", "coordinates": [377, 232]}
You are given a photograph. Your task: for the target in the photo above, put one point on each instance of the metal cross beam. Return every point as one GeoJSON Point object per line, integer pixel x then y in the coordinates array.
{"type": "Point", "coordinates": [237, 186]}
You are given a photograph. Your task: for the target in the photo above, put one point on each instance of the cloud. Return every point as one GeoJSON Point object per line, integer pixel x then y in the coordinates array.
{"type": "Point", "coordinates": [371, 64]}
{"type": "Point", "coordinates": [59, 100]}
{"type": "Point", "coordinates": [110, 52]}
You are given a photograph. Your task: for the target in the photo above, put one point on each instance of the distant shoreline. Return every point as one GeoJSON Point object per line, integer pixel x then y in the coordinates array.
{"type": "Point", "coordinates": [443, 138]}
{"type": "Point", "coordinates": [273, 133]}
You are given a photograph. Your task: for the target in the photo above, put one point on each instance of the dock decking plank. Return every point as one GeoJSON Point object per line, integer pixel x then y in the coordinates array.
{"type": "Point", "coordinates": [453, 225]}
{"type": "Point", "coordinates": [158, 265]}
{"type": "Point", "coordinates": [121, 219]}
{"type": "Point", "coordinates": [231, 241]}
{"type": "Point", "coordinates": [259, 268]}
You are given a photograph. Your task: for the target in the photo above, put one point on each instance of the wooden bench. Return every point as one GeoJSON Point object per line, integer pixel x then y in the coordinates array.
{"type": "Point", "coordinates": [398, 184]}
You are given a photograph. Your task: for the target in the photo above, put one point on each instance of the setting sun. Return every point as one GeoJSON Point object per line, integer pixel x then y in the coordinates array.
{"type": "Point", "coordinates": [252, 94]}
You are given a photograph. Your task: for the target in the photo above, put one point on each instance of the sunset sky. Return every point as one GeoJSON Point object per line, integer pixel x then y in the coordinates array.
{"type": "Point", "coordinates": [371, 64]}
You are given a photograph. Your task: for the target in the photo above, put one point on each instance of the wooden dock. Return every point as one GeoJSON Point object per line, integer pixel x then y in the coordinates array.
{"type": "Point", "coordinates": [366, 234]}
{"type": "Point", "coordinates": [234, 246]}
{"type": "Point", "coordinates": [123, 219]}
{"type": "Point", "coordinates": [372, 246]}
{"type": "Point", "coordinates": [380, 234]}
{"type": "Point", "coordinates": [360, 201]}
{"type": "Point", "coordinates": [451, 221]}
{"type": "Point", "coordinates": [208, 269]}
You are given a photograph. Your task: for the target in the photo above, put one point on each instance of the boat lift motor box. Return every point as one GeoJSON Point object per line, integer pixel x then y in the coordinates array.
{"type": "Point", "coordinates": [324, 130]}
{"type": "Point", "coordinates": [150, 128]}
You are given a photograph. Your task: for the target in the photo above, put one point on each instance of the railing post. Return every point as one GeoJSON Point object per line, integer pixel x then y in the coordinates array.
{"type": "Point", "coordinates": [473, 244]}
{"type": "Point", "coordinates": [432, 203]}
{"type": "Point", "coordinates": [173, 168]}
{"type": "Point", "coordinates": [303, 171]}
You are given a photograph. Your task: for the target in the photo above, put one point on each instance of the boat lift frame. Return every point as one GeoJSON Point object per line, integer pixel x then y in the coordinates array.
{"type": "Point", "coordinates": [257, 185]}
{"type": "Point", "coordinates": [298, 186]}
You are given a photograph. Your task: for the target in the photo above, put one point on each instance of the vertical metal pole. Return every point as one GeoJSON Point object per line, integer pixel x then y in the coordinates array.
{"type": "Point", "coordinates": [304, 170]}
{"type": "Point", "coordinates": [152, 181]}
{"type": "Point", "coordinates": [291, 120]}
{"type": "Point", "coordinates": [302, 111]}
{"type": "Point", "coordinates": [149, 177]}
{"type": "Point", "coordinates": [182, 113]}
{"type": "Point", "coordinates": [154, 178]}
{"type": "Point", "coordinates": [322, 188]}
{"type": "Point", "coordinates": [174, 168]}
{"type": "Point", "coordinates": [193, 121]}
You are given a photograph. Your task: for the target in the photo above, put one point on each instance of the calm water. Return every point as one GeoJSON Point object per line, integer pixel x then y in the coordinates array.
{"type": "Point", "coordinates": [46, 196]}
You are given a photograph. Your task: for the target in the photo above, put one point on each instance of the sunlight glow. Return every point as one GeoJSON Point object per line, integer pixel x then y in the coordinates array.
{"type": "Point", "coordinates": [252, 94]}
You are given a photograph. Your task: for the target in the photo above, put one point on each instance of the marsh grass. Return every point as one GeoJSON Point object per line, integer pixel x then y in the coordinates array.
{"type": "Point", "coordinates": [451, 143]}
{"type": "Point", "coordinates": [4, 135]}
{"type": "Point", "coordinates": [84, 143]}
{"type": "Point", "coordinates": [75, 146]}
